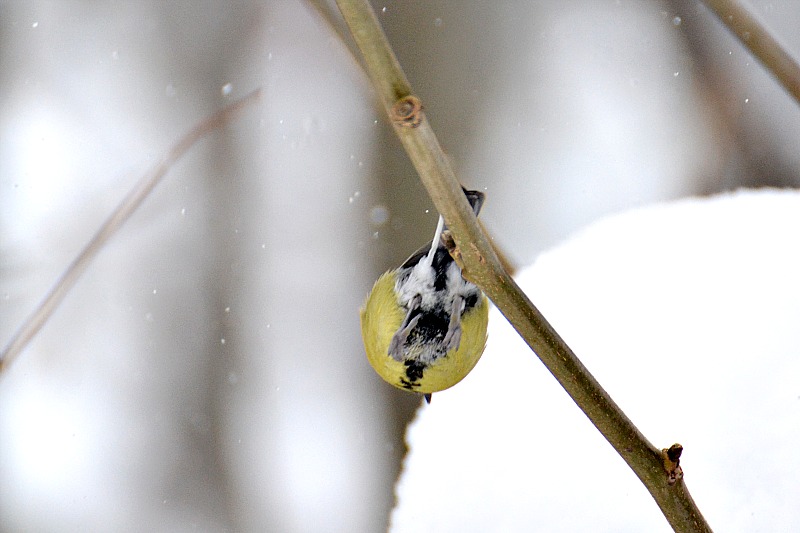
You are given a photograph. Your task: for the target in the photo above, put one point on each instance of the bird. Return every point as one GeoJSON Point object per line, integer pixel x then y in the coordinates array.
{"type": "Point", "coordinates": [424, 325]}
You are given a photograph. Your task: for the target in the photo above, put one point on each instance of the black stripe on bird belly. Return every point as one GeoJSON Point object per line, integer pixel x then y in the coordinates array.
{"type": "Point", "coordinates": [414, 373]}
{"type": "Point", "coordinates": [425, 340]}
{"type": "Point", "coordinates": [424, 346]}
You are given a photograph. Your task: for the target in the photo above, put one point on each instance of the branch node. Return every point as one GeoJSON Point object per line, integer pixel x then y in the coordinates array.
{"type": "Point", "coordinates": [672, 462]}
{"type": "Point", "coordinates": [407, 112]}
{"type": "Point", "coordinates": [452, 248]}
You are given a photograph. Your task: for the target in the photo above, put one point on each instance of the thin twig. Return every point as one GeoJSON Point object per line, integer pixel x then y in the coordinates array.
{"type": "Point", "coordinates": [330, 17]}
{"type": "Point", "coordinates": [484, 269]}
{"type": "Point", "coordinates": [31, 326]}
{"type": "Point", "coordinates": [760, 41]}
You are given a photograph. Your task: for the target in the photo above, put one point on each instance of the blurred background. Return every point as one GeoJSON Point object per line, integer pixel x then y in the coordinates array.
{"type": "Point", "coordinates": [207, 371]}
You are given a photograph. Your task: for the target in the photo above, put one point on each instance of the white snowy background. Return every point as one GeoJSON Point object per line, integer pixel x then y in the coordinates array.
{"type": "Point", "coordinates": [687, 313]}
{"type": "Point", "coordinates": [207, 372]}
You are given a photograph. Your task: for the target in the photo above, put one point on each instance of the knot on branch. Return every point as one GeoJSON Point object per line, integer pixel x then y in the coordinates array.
{"type": "Point", "coordinates": [672, 462]}
{"type": "Point", "coordinates": [407, 112]}
{"type": "Point", "coordinates": [452, 248]}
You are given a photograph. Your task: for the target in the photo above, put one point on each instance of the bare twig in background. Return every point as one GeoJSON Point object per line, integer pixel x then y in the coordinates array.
{"type": "Point", "coordinates": [760, 41]}
{"type": "Point", "coordinates": [484, 269]}
{"type": "Point", "coordinates": [328, 15]}
{"type": "Point", "coordinates": [122, 213]}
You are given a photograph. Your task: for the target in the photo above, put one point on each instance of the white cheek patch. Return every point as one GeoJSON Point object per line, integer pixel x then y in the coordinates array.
{"type": "Point", "coordinates": [418, 283]}
{"type": "Point", "coordinates": [457, 286]}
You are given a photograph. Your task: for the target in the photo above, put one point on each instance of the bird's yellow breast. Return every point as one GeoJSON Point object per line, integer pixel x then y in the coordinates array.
{"type": "Point", "coordinates": [382, 316]}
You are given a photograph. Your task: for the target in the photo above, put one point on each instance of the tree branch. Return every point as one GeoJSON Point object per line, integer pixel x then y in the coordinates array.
{"type": "Point", "coordinates": [654, 468]}
{"type": "Point", "coordinates": [760, 41]}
